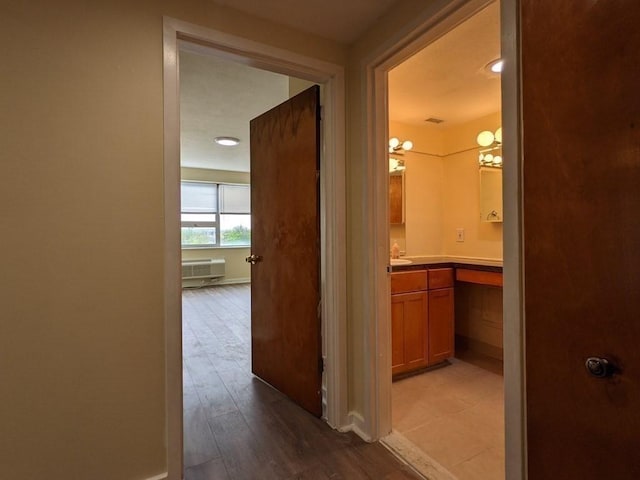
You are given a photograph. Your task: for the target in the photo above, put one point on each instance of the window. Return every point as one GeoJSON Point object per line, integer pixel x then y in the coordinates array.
{"type": "Point", "coordinates": [215, 215]}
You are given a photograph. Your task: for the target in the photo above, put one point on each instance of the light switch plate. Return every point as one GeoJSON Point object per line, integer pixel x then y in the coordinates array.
{"type": "Point", "coordinates": [459, 234]}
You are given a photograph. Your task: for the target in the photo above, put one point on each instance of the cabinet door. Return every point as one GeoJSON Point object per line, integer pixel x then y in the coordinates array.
{"type": "Point", "coordinates": [441, 327]}
{"type": "Point", "coordinates": [397, 334]}
{"type": "Point", "coordinates": [408, 331]}
{"type": "Point", "coordinates": [396, 214]}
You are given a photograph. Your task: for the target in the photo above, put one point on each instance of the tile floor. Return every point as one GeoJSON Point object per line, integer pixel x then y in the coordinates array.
{"type": "Point", "coordinates": [454, 415]}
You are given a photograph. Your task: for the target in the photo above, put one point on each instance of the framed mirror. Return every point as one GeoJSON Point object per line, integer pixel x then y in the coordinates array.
{"type": "Point", "coordinates": [490, 194]}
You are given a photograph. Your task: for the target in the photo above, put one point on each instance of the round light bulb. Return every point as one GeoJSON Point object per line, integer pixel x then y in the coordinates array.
{"type": "Point", "coordinates": [488, 158]}
{"type": "Point", "coordinates": [394, 142]}
{"type": "Point", "coordinates": [496, 67]}
{"type": "Point", "coordinates": [407, 145]}
{"type": "Point", "coordinates": [498, 135]}
{"type": "Point", "coordinates": [393, 164]}
{"type": "Point", "coordinates": [497, 160]}
{"type": "Point", "coordinates": [485, 138]}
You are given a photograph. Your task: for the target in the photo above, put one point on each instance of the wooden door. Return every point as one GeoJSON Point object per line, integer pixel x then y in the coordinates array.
{"type": "Point", "coordinates": [285, 236]}
{"type": "Point", "coordinates": [581, 145]}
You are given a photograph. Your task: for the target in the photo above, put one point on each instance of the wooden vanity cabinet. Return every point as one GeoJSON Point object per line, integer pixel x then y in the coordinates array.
{"type": "Point", "coordinates": [422, 318]}
{"type": "Point", "coordinates": [408, 332]}
{"type": "Point", "coordinates": [409, 312]}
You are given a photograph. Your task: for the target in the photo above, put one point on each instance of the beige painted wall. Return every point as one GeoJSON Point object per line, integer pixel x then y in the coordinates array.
{"type": "Point", "coordinates": [442, 191]}
{"type": "Point", "coordinates": [81, 200]}
{"type": "Point", "coordinates": [462, 194]}
{"type": "Point", "coordinates": [222, 176]}
{"type": "Point", "coordinates": [297, 85]}
{"type": "Point", "coordinates": [236, 269]}
{"type": "Point", "coordinates": [424, 204]}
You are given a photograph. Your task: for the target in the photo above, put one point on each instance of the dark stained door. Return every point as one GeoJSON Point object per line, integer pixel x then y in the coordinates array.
{"type": "Point", "coordinates": [581, 141]}
{"type": "Point", "coordinates": [285, 234]}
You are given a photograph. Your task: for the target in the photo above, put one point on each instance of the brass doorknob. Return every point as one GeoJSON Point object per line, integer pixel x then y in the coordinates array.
{"type": "Point", "coordinates": [253, 259]}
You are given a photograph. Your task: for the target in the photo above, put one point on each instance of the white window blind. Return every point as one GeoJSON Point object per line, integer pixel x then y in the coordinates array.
{"type": "Point", "coordinates": [235, 199]}
{"type": "Point", "coordinates": [199, 197]}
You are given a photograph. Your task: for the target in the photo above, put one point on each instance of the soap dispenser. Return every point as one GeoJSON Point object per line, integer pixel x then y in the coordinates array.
{"type": "Point", "coordinates": [395, 250]}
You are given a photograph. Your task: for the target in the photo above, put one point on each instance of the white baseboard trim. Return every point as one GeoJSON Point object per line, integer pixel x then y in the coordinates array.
{"type": "Point", "coordinates": [422, 463]}
{"type": "Point", "coordinates": [196, 283]}
{"type": "Point", "coordinates": [232, 281]}
{"type": "Point", "coordinates": [162, 476]}
{"type": "Point", "coordinates": [358, 426]}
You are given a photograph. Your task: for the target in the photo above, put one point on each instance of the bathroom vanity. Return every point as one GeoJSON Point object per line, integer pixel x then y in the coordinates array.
{"type": "Point", "coordinates": [422, 328]}
{"type": "Point", "coordinates": [423, 309]}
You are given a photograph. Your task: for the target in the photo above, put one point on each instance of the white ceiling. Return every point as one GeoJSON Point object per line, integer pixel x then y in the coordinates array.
{"type": "Point", "coordinates": [218, 98]}
{"type": "Point", "coordinates": [445, 80]}
{"type": "Point", "coordinates": [340, 20]}
{"type": "Point", "coordinates": [448, 79]}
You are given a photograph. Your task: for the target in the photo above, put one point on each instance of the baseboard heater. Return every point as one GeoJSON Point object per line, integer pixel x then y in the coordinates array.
{"type": "Point", "coordinates": [203, 272]}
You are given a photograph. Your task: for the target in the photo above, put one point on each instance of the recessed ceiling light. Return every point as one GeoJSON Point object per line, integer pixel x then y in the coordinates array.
{"type": "Point", "coordinates": [227, 141]}
{"type": "Point", "coordinates": [495, 66]}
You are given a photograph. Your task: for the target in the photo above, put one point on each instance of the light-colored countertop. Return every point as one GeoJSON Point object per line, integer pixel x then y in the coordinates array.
{"type": "Point", "coordinates": [435, 260]}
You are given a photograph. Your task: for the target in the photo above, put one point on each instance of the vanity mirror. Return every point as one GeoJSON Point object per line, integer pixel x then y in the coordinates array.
{"type": "Point", "coordinates": [490, 194]}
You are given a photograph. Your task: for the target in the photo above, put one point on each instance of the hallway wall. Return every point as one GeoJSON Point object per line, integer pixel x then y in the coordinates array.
{"type": "Point", "coordinates": [81, 199]}
{"type": "Point", "coordinates": [405, 16]}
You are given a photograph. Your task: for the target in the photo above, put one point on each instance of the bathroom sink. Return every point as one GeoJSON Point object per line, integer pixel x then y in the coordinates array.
{"type": "Point", "coordinates": [400, 261]}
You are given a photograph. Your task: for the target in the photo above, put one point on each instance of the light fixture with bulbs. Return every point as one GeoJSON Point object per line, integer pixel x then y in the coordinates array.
{"type": "Point", "coordinates": [227, 141]}
{"type": "Point", "coordinates": [490, 143]}
{"type": "Point", "coordinates": [397, 147]}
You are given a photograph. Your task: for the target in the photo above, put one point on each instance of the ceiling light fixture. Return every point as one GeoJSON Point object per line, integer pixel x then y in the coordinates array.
{"type": "Point", "coordinates": [398, 147]}
{"type": "Point", "coordinates": [495, 66]}
{"type": "Point", "coordinates": [227, 141]}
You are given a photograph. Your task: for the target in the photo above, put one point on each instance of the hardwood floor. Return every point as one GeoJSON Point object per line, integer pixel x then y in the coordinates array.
{"type": "Point", "coordinates": [237, 427]}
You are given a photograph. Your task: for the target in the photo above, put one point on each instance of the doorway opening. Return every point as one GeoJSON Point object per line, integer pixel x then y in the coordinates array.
{"type": "Point", "coordinates": [445, 238]}
{"type": "Point", "coordinates": [218, 99]}
{"type": "Point", "coordinates": [184, 41]}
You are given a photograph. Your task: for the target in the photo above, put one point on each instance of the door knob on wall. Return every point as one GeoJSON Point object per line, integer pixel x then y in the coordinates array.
{"type": "Point", "coordinates": [599, 367]}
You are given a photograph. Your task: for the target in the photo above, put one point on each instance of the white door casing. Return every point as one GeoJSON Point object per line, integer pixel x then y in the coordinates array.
{"type": "Point", "coordinates": [332, 212]}
{"type": "Point", "coordinates": [437, 19]}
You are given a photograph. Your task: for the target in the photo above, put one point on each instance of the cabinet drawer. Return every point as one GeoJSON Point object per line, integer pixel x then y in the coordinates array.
{"type": "Point", "coordinates": [408, 281]}
{"type": "Point", "coordinates": [440, 278]}
{"type": "Point", "coordinates": [478, 276]}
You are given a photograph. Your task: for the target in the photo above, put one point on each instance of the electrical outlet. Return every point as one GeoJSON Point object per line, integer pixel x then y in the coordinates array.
{"type": "Point", "coordinates": [459, 234]}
